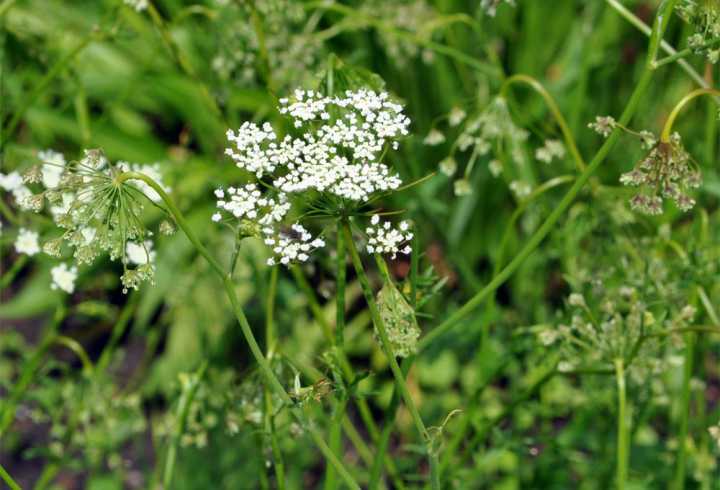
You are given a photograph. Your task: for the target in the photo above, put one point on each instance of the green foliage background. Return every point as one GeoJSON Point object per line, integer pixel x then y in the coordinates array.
{"type": "Point", "coordinates": [97, 74]}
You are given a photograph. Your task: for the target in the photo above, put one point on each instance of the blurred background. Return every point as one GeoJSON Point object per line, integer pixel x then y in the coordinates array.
{"type": "Point", "coordinates": [162, 84]}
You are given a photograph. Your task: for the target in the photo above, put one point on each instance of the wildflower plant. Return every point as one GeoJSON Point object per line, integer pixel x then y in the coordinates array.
{"type": "Point", "coordinates": [330, 225]}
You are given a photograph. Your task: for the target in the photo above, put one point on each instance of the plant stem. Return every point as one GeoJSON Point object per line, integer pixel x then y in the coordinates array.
{"type": "Point", "coordinates": [645, 29]}
{"type": "Point", "coordinates": [270, 377]}
{"type": "Point", "coordinates": [17, 266]}
{"type": "Point", "coordinates": [554, 110]}
{"type": "Point", "coordinates": [679, 480]}
{"type": "Point", "coordinates": [387, 348]}
{"type": "Point", "coordinates": [63, 62]}
{"type": "Point", "coordinates": [181, 59]}
{"type": "Point", "coordinates": [337, 344]}
{"type": "Point", "coordinates": [29, 370]}
{"type": "Point", "coordinates": [622, 431]}
{"type": "Point", "coordinates": [683, 53]}
{"type": "Point", "coordinates": [186, 399]}
{"type": "Point", "coordinates": [340, 292]}
{"type": "Point", "coordinates": [12, 484]}
{"type": "Point", "coordinates": [270, 347]}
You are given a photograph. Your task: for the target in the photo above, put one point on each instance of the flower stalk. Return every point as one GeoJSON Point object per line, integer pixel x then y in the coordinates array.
{"type": "Point", "coordinates": [270, 377]}
{"type": "Point", "coordinates": [400, 383]}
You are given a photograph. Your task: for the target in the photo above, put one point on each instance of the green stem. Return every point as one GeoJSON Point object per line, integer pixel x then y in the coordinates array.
{"type": "Point", "coordinates": [43, 84]}
{"type": "Point", "coordinates": [667, 129]}
{"type": "Point", "coordinates": [340, 293]}
{"type": "Point", "coordinates": [335, 439]}
{"type": "Point", "coordinates": [622, 431]}
{"type": "Point", "coordinates": [181, 59]}
{"type": "Point", "coordinates": [270, 377]}
{"type": "Point", "coordinates": [684, 52]}
{"type": "Point", "coordinates": [387, 348]}
{"type": "Point", "coordinates": [540, 234]}
{"type": "Point", "coordinates": [29, 370]}
{"type": "Point", "coordinates": [645, 29]}
{"type": "Point", "coordinates": [117, 332]}
{"type": "Point", "coordinates": [12, 484]}
{"type": "Point", "coordinates": [535, 194]}
{"type": "Point", "coordinates": [337, 343]}
{"type": "Point", "coordinates": [270, 348]}
{"type": "Point", "coordinates": [554, 110]}
{"type": "Point", "coordinates": [186, 399]}
{"type": "Point", "coordinates": [17, 266]}
{"type": "Point", "coordinates": [679, 480]}
{"type": "Point", "coordinates": [362, 405]}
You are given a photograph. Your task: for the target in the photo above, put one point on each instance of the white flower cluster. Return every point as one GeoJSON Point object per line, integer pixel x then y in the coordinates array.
{"type": "Point", "coordinates": [248, 203]}
{"type": "Point", "coordinates": [288, 43]}
{"type": "Point", "coordinates": [384, 239]}
{"type": "Point", "coordinates": [294, 246]}
{"type": "Point", "coordinates": [336, 154]}
{"type": "Point", "coordinates": [603, 125]}
{"type": "Point", "coordinates": [551, 150]}
{"type": "Point", "coordinates": [63, 277]}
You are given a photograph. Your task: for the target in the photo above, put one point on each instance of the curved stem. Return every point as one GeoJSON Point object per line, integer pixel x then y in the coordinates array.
{"type": "Point", "coordinates": [659, 28]}
{"type": "Point", "coordinates": [667, 129]}
{"type": "Point", "coordinates": [554, 110]}
{"type": "Point", "coordinates": [78, 350]}
{"type": "Point", "coordinates": [622, 432]}
{"type": "Point", "coordinates": [270, 377]}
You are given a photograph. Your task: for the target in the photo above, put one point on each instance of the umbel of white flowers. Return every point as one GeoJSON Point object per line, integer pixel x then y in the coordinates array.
{"type": "Point", "coordinates": [98, 214]}
{"type": "Point", "coordinates": [335, 154]}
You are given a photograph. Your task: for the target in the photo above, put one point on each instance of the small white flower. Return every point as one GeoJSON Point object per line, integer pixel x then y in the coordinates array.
{"type": "Point", "coordinates": [550, 150]}
{"type": "Point", "coordinates": [53, 167]}
{"type": "Point", "coordinates": [462, 187]}
{"type": "Point", "coordinates": [448, 166]}
{"type": "Point", "coordinates": [456, 116]}
{"type": "Point", "coordinates": [384, 239]}
{"type": "Point", "coordinates": [603, 125]}
{"type": "Point", "coordinates": [520, 189]}
{"type": "Point", "coordinates": [63, 277]}
{"type": "Point", "coordinates": [496, 167]}
{"type": "Point", "coordinates": [140, 253]}
{"type": "Point", "coordinates": [27, 242]}
{"type": "Point", "coordinates": [577, 300]}
{"type": "Point", "coordinates": [434, 138]}
{"type": "Point", "coordinates": [291, 247]}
